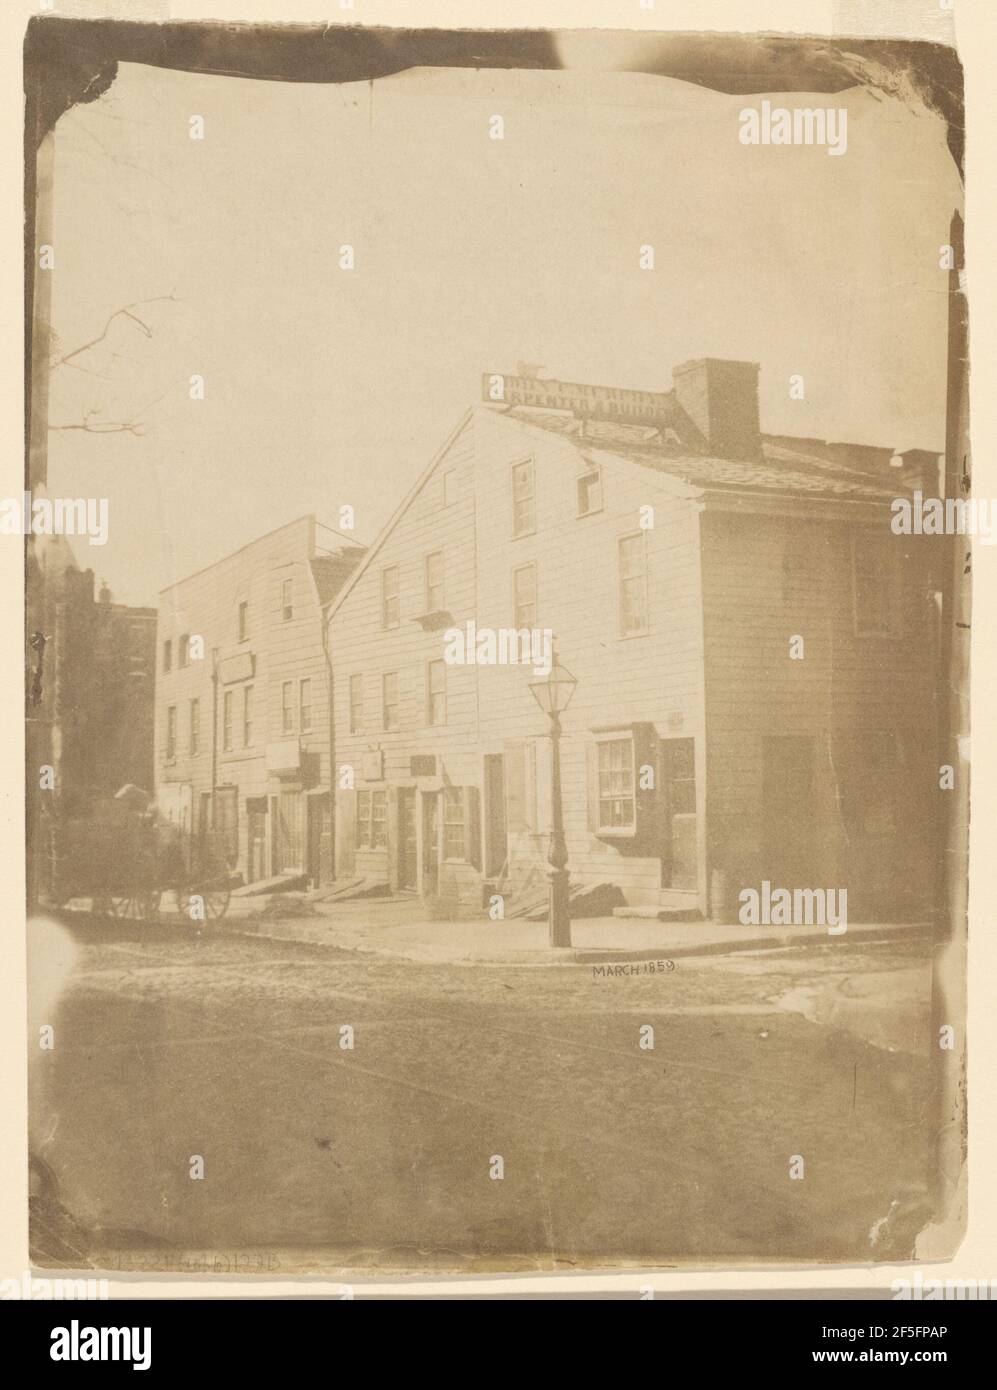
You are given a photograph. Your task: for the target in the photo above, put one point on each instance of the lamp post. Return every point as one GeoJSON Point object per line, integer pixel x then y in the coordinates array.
{"type": "Point", "coordinates": [553, 695]}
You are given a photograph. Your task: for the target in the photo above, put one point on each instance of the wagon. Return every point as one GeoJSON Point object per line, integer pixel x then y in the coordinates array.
{"type": "Point", "coordinates": [124, 861]}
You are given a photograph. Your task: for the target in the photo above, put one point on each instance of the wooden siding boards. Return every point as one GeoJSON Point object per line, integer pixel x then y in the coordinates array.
{"type": "Point", "coordinates": [207, 604]}
{"type": "Point", "coordinates": [621, 680]}
{"type": "Point", "coordinates": [712, 666]}
{"type": "Point", "coordinates": [846, 685]}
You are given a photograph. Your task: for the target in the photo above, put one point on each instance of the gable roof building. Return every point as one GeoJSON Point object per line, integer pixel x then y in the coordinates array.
{"type": "Point", "coordinates": [754, 653]}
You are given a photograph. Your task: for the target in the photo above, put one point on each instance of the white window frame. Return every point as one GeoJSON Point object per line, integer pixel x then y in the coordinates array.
{"type": "Point", "coordinates": [432, 607]}
{"type": "Point", "coordinates": [228, 702]}
{"type": "Point", "coordinates": [302, 726]}
{"type": "Point", "coordinates": [436, 664]}
{"type": "Point", "coordinates": [364, 838]}
{"type": "Point", "coordinates": [247, 716]}
{"type": "Point", "coordinates": [591, 470]}
{"type": "Point", "coordinates": [287, 708]}
{"type": "Point", "coordinates": [453, 858]}
{"type": "Point", "coordinates": [530, 462]}
{"type": "Point", "coordinates": [517, 623]}
{"type": "Point", "coordinates": [385, 597]}
{"type": "Point", "coordinates": [385, 726]}
{"type": "Point", "coordinates": [620, 540]}
{"type": "Point", "coordinates": [628, 830]}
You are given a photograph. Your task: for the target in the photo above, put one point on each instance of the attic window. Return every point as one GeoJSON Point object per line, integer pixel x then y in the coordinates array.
{"type": "Point", "coordinates": [590, 491]}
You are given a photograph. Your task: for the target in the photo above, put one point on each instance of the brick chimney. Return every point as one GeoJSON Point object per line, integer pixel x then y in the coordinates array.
{"type": "Point", "coordinates": [721, 399]}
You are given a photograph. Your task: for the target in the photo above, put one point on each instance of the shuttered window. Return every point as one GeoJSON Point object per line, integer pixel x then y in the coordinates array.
{"type": "Point", "coordinates": [622, 797]}
{"type": "Point", "coordinates": [520, 769]}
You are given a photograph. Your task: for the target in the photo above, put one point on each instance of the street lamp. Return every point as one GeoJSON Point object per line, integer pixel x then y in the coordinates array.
{"type": "Point", "coordinates": [553, 695]}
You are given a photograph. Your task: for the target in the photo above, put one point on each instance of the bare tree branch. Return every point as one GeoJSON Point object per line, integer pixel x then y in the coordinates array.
{"type": "Point", "coordinates": [126, 311]}
{"type": "Point", "coordinates": [90, 424]}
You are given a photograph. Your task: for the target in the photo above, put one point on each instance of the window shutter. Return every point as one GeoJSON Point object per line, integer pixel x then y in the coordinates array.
{"type": "Point", "coordinates": [472, 826]}
{"type": "Point", "coordinates": [515, 785]}
{"type": "Point", "coordinates": [592, 786]}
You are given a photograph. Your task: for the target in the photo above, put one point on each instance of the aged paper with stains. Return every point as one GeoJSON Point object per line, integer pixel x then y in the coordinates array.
{"type": "Point", "coordinates": [499, 528]}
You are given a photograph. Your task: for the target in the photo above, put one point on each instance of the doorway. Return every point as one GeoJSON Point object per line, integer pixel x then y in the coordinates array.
{"type": "Point", "coordinates": [430, 843]}
{"type": "Point", "coordinates": [407, 859]}
{"type": "Point", "coordinates": [290, 833]}
{"type": "Point", "coordinates": [319, 838]}
{"type": "Point", "coordinates": [679, 820]}
{"type": "Point", "coordinates": [256, 829]}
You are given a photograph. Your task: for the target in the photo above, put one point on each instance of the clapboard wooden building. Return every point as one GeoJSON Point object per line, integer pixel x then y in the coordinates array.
{"type": "Point", "coordinates": [755, 654]}
{"type": "Point", "coordinates": [243, 729]}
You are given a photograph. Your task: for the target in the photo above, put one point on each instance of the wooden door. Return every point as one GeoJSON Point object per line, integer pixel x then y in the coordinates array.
{"type": "Point", "coordinates": [406, 838]}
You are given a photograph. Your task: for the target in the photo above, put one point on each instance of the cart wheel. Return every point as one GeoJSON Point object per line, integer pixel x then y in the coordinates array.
{"type": "Point", "coordinates": [140, 907]}
{"type": "Point", "coordinates": [214, 899]}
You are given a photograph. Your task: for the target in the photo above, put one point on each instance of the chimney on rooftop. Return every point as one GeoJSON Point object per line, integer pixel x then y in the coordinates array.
{"type": "Point", "coordinates": [721, 399]}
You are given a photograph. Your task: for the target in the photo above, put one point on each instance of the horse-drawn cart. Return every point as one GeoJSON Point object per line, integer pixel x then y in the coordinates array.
{"type": "Point", "coordinates": [125, 860]}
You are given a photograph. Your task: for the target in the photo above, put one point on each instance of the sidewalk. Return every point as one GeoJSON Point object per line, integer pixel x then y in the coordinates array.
{"type": "Point", "coordinates": [398, 928]}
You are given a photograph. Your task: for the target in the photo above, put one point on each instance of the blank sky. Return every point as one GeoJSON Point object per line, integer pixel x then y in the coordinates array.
{"type": "Point", "coordinates": [326, 386]}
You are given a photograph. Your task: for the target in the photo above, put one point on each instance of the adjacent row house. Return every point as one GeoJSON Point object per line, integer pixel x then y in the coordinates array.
{"type": "Point", "coordinates": [89, 699]}
{"type": "Point", "coordinates": [243, 720]}
{"type": "Point", "coordinates": [756, 656]}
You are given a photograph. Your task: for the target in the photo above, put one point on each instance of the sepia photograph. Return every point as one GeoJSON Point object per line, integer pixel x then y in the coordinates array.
{"type": "Point", "coordinates": [499, 533]}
